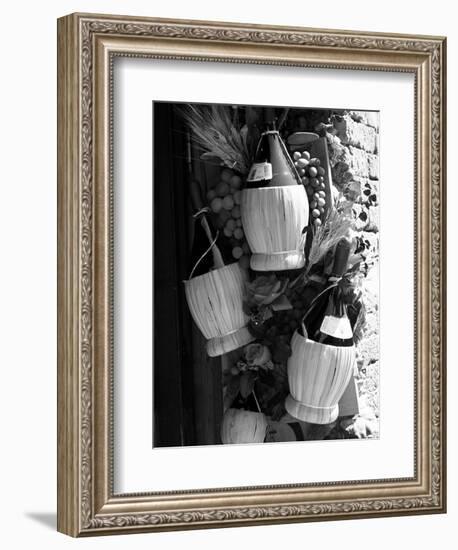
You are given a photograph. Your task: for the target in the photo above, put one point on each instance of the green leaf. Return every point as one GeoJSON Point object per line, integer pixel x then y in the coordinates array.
{"type": "Point", "coordinates": [281, 304]}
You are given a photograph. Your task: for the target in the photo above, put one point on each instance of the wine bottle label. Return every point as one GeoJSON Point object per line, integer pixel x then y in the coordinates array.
{"type": "Point", "coordinates": [337, 327]}
{"type": "Point", "coordinates": [260, 171]}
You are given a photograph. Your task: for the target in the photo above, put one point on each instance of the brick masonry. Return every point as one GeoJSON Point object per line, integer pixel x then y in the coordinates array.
{"type": "Point", "coordinates": [353, 138]}
{"type": "Point", "coordinates": [356, 133]}
{"type": "Point", "coordinates": [353, 153]}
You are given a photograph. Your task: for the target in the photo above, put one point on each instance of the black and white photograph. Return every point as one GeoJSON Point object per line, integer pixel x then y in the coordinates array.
{"type": "Point", "coordinates": [266, 277]}
{"type": "Point", "coordinates": [226, 320]}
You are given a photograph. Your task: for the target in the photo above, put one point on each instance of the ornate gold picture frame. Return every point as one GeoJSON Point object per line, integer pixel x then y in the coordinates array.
{"type": "Point", "coordinates": [87, 45]}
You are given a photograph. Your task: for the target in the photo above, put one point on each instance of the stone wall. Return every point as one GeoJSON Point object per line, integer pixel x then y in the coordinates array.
{"type": "Point", "coordinates": [353, 144]}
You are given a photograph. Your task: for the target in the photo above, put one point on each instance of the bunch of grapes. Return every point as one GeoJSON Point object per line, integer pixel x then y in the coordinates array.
{"type": "Point", "coordinates": [312, 176]}
{"type": "Point", "coordinates": [224, 201]}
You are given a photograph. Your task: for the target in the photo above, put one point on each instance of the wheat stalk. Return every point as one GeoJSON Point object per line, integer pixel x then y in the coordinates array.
{"type": "Point", "coordinates": [214, 132]}
{"type": "Point", "coordinates": [326, 236]}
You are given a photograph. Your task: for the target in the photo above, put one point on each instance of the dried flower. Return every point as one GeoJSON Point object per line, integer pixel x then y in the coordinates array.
{"type": "Point", "coordinates": [257, 354]}
{"type": "Point", "coordinates": [264, 290]}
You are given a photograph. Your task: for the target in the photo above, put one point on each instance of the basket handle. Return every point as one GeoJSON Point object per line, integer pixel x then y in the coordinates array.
{"type": "Point", "coordinates": [200, 214]}
{"type": "Point", "coordinates": [216, 260]}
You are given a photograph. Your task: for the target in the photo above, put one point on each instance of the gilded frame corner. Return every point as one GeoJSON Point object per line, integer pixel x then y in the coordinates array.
{"type": "Point", "coordinates": [87, 44]}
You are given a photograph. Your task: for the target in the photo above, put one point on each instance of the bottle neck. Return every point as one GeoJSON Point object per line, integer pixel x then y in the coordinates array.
{"type": "Point", "coordinates": [341, 257]}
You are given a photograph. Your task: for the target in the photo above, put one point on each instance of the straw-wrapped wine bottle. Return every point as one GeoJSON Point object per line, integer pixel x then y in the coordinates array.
{"type": "Point", "coordinates": [274, 208]}
{"type": "Point", "coordinates": [322, 353]}
{"type": "Point", "coordinates": [215, 297]}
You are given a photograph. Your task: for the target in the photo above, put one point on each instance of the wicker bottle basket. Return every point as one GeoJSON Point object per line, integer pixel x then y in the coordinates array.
{"type": "Point", "coordinates": [318, 375]}
{"type": "Point", "coordinates": [241, 426]}
{"type": "Point", "coordinates": [274, 220]}
{"type": "Point", "coordinates": [215, 300]}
